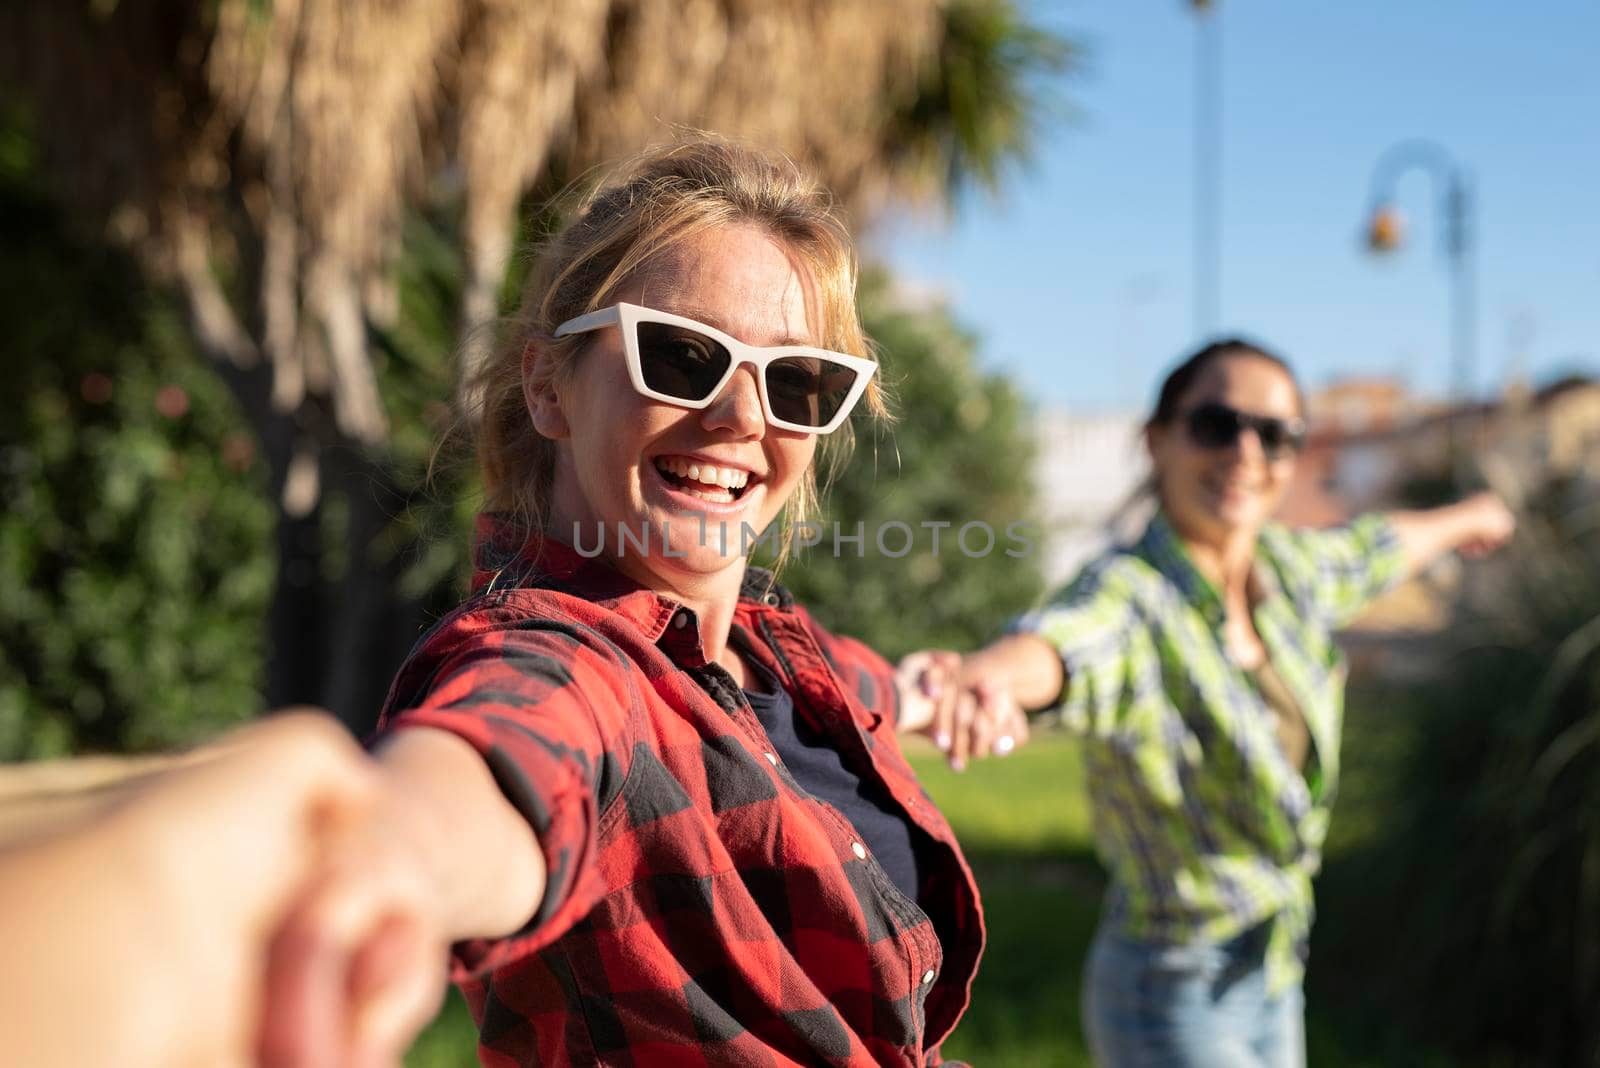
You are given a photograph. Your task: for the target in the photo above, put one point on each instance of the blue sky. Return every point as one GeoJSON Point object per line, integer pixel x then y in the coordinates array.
{"type": "Point", "coordinates": [1079, 278]}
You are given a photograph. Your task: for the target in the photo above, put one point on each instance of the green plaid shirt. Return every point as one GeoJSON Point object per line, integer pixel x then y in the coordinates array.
{"type": "Point", "coordinates": [1206, 828]}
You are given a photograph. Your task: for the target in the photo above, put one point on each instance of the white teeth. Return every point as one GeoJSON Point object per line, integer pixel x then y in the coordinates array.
{"type": "Point", "coordinates": [728, 478]}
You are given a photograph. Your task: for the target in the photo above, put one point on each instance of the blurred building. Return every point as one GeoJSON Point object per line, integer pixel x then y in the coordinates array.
{"type": "Point", "coordinates": [1371, 446]}
{"type": "Point", "coordinates": [1089, 467]}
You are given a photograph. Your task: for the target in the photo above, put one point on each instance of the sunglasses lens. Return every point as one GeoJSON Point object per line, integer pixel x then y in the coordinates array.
{"type": "Point", "coordinates": [680, 363]}
{"type": "Point", "coordinates": [1275, 436]}
{"type": "Point", "coordinates": [808, 390]}
{"type": "Point", "coordinates": [1212, 426]}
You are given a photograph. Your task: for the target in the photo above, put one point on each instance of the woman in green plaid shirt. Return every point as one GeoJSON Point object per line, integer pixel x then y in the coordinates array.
{"type": "Point", "coordinates": [1198, 665]}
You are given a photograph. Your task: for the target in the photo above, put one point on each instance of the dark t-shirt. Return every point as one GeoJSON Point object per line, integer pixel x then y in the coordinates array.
{"type": "Point", "coordinates": [820, 769]}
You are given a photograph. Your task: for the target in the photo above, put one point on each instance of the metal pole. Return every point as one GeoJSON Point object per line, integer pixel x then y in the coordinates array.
{"type": "Point", "coordinates": [1464, 322]}
{"type": "Point", "coordinates": [1207, 170]}
{"type": "Point", "coordinates": [1462, 283]}
{"type": "Point", "coordinates": [1455, 207]}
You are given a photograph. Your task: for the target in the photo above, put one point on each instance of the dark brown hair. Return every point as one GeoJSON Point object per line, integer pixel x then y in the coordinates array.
{"type": "Point", "coordinates": [1177, 383]}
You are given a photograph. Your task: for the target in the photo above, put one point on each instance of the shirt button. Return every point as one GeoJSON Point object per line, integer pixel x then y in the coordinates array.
{"type": "Point", "coordinates": [927, 977]}
{"type": "Point", "coordinates": [680, 620]}
{"type": "Point", "coordinates": [859, 850]}
{"type": "Point", "coordinates": [772, 758]}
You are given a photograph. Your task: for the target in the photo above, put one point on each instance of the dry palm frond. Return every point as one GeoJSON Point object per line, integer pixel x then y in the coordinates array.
{"type": "Point", "coordinates": [817, 79]}
{"type": "Point", "coordinates": [333, 105]}
{"type": "Point", "coordinates": [516, 87]}
{"type": "Point", "coordinates": [264, 155]}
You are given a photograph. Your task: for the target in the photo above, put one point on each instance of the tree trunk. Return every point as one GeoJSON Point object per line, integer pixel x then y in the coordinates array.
{"type": "Point", "coordinates": [297, 628]}
{"type": "Point", "coordinates": [337, 642]}
{"type": "Point", "coordinates": [297, 621]}
{"type": "Point", "coordinates": [375, 625]}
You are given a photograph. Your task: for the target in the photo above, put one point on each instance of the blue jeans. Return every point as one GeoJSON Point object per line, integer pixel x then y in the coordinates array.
{"type": "Point", "coordinates": [1148, 1005]}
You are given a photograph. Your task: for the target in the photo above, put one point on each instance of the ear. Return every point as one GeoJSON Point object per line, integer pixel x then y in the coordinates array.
{"type": "Point", "coordinates": [540, 395]}
{"type": "Point", "coordinates": [1155, 435]}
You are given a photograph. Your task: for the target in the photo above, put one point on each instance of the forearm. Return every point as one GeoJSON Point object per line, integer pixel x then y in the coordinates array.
{"type": "Point", "coordinates": [75, 935]}
{"type": "Point", "coordinates": [1427, 534]}
{"type": "Point", "coordinates": [1026, 663]}
{"type": "Point", "coordinates": [172, 878]}
{"type": "Point", "coordinates": [47, 798]}
{"type": "Point", "coordinates": [482, 862]}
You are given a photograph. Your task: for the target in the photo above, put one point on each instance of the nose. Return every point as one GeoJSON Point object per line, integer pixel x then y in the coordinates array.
{"type": "Point", "coordinates": [1248, 446]}
{"type": "Point", "coordinates": [738, 407]}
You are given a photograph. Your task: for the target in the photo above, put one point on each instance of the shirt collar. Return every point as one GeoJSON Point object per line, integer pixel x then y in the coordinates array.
{"type": "Point", "coordinates": [1162, 546]}
{"type": "Point", "coordinates": [506, 558]}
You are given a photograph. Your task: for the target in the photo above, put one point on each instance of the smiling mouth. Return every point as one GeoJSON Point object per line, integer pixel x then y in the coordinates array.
{"type": "Point", "coordinates": [1226, 486]}
{"type": "Point", "coordinates": [707, 482]}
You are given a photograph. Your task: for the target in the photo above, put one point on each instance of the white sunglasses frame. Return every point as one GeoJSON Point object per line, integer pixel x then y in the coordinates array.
{"type": "Point", "coordinates": [627, 317]}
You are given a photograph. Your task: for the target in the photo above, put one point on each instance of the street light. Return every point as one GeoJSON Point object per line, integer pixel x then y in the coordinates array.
{"type": "Point", "coordinates": [1207, 167]}
{"type": "Point", "coordinates": [1385, 233]}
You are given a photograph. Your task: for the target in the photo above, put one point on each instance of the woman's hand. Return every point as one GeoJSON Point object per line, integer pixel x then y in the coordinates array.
{"type": "Point", "coordinates": [358, 964]}
{"type": "Point", "coordinates": [295, 883]}
{"type": "Point", "coordinates": [1474, 527]}
{"type": "Point", "coordinates": [966, 714]}
{"type": "Point", "coordinates": [1486, 524]}
{"type": "Point", "coordinates": [169, 918]}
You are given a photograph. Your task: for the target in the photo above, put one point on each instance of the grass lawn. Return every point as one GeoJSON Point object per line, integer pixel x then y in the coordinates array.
{"type": "Point", "coordinates": [1024, 822]}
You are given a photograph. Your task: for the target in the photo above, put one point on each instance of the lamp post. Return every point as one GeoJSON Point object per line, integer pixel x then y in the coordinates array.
{"type": "Point", "coordinates": [1385, 232]}
{"type": "Point", "coordinates": [1207, 167]}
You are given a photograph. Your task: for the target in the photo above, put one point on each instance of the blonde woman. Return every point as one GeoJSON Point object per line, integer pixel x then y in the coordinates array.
{"type": "Point", "coordinates": [660, 812]}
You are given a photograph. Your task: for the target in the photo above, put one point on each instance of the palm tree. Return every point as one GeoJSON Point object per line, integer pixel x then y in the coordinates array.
{"type": "Point", "coordinates": [262, 156]}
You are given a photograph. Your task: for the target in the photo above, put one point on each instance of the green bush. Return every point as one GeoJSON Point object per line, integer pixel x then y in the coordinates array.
{"type": "Point", "coordinates": [136, 549]}
{"type": "Point", "coordinates": [1486, 870]}
{"type": "Point", "coordinates": [134, 544]}
{"type": "Point", "coordinates": [961, 451]}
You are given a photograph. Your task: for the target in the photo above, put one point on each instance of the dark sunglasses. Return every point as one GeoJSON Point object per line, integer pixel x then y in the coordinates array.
{"type": "Point", "coordinates": [1217, 426]}
{"type": "Point", "coordinates": [678, 360]}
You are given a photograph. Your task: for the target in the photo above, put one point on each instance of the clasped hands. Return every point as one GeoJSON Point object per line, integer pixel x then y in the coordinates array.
{"type": "Point", "coordinates": [966, 711]}
{"type": "Point", "coordinates": [252, 906]}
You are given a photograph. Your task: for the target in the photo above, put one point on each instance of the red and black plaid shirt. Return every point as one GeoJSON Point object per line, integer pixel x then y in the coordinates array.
{"type": "Point", "coordinates": [701, 907]}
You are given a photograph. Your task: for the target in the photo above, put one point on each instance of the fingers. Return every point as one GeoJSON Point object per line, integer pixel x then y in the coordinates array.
{"type": "Point", "coordinates": [917, 684]}
{"type": "Point", "coordinates": [967, 718]}
{"type": "Point", "coordinates": [937, 684]}
{"type": "Point", "coordinates": [984, 731]}
{"type": "Point", "coordinates": [353, 973]}
{"type": "Point", "coordinates": [396, 984]}
{"type": "Point", "coordinates": [964, 720]}
{"type": "Point", "coordinates": [307, 1016]}
{"type": "Point", "coordinates": [298, 1022]}
{"type": "Point", "coordinates": [997, 724]}
{"type": "Point", "coordinates": [1009, 723]}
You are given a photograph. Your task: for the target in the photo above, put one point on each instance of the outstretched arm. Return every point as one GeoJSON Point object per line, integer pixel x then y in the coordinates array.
{"type": "Point", "coordinates": [279, 897]}
{"type": "Point", "coordinates": [140, 935]}
{"type": "Point", "coordinates": [1475, 526]}
{"type": "Point", "coordinates": [980, 698]}
{"type": "Point", "coordinates": [359, 962]}
{"type": "Point", "coordinates": [973, 705]}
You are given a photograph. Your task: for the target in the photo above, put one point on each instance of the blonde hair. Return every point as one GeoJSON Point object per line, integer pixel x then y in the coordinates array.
{"type": "Point", "coordinates": [637, 214]}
